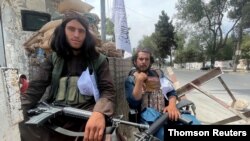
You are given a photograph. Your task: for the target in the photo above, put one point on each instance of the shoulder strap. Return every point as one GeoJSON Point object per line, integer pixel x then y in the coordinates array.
{"type": "Point", "coordinates": [57, 69]}
{"type": "Point", "coordinates": [95, 64]}
{"type": "Point", "coordinates": [154, 72]}
{"type": "Point", "coordinates": [132, 71]}
{"type": "Point", "coordinates": [159, 72]}
{"type": "Point", "coordinates": [54, 58]}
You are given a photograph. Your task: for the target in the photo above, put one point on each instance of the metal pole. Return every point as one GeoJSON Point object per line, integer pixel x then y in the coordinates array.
{"type": "Point", "coordinates": [103, 21]}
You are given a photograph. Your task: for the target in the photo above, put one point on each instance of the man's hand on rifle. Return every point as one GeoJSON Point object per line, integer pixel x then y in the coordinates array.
{"type": "Point", "coordinates": [95, 127]}
{"type": "Point", "coordinates": [171, 109]}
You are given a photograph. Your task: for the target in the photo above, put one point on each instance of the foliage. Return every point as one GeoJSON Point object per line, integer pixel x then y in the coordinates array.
{"type": "Point", "coordinates": [162, 41]}
{"type": "Point", "coordinates": [180, 39]}
{"type": "Point", "coordinates": [240, 9]}
{"type": "Point", "coordinates": [192, 52]}
{"type": "Point", "coordinates": [245, 47]}
{"type": "Point", "coordinates": [227, 52]}
{"type": "Point", "coordinates": [188, 55]}
{"type": "Point", "coordinates": [147, 42]}
{"type": "Point", "coordinates": [164, 35]}
{"type": "Point", "coordinates": [110, 29]}
{"type": "Point", "coordinates": [208, 16]}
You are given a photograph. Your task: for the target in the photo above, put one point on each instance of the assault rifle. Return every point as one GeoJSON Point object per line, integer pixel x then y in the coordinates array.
{"type": "Point", "coordinates": [44, 112]}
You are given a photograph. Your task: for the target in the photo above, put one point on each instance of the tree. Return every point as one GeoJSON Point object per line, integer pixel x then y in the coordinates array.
{"type": "Point", "coordinates": [164, 36]}
{"type": "Point", "coordinates": [188, 54]}
{"type": "Point", "coordinates": [240, 10]}
{"type": "Point", "coordinates": [227, 52]}
{"type": "Point", "coordinates": [180, 41]}
{"type": "Point", "coordinates": [147, 42]}
{"type": "Point", "coordinates": [246, 49]}
{"type": "Point", "coordinates": [194, 46]}
{"type": "Point", "coordinates": [209, 16]}
{"type": "Point", "coordinates": [110, 29]}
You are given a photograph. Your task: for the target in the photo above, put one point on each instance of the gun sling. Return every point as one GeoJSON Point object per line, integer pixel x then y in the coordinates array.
{"type": "Point", "coordinates": [108, 130]}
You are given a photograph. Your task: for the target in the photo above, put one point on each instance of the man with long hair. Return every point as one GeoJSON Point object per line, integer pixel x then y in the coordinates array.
{"type": "Point", "coordinates": [73, 53]}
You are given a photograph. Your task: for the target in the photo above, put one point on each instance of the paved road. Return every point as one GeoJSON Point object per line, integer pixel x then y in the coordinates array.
{"type": "Point", "coordinates": [239, 83]}
{"type": "Point", "coordinates": [209, 111]}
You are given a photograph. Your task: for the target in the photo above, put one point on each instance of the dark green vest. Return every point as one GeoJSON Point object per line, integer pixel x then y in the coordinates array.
{"type": "Point", "coordinates": [58, 63]}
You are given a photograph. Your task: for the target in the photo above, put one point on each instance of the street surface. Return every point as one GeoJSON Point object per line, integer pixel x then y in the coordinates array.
{"type": "Point", "coordinates": [209, 111]}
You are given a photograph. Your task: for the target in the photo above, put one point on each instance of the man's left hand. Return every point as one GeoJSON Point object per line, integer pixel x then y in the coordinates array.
{"type": "Point", "coordinates": [173, 112]}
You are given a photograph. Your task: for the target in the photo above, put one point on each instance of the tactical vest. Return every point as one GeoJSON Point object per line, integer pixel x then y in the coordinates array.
{"type": "Point", "coordinates": [73, 97]}
{"type": "Point", "coordinates": [152, 95]}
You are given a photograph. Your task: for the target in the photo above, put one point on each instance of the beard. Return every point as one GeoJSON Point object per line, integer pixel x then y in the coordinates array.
{"type": "Point", "coordinates": [144, 69]}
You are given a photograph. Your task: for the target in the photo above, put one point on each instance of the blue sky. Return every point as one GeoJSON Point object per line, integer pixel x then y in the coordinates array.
{"type": "Point", "coordinates": [141, 15]}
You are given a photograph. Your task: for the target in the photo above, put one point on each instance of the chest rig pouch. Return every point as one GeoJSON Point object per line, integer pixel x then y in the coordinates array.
{"type": "Point", "coordinates": [152, 96]}
{"type": "Point", "coordinates": [64, 90]}
{"type": "Point", "coordinates": [68, 92]}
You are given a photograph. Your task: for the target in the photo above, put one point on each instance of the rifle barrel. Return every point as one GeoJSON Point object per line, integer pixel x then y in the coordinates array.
{"type": "Point", "coordinates": [141, 126]}
{"type": "Point", "coordinates": [76, 112]}
{"type": "Point", "coordinates": [86, 114]}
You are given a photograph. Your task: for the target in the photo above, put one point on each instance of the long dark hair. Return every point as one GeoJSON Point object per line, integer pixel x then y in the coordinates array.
{"type": "Point", "coordinates": [60, 45]}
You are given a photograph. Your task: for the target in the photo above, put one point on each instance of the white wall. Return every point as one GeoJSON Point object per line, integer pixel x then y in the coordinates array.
{"type": "Point", "coordinates": [223, 64]}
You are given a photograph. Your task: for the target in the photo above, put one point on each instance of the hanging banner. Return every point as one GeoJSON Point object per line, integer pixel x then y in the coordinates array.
{"type": "Point", "coordinates": [120, 26]}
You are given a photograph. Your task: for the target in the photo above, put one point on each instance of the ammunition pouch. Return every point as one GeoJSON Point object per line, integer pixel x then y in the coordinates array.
{"type": "Point", "coordinates": [68, 92]}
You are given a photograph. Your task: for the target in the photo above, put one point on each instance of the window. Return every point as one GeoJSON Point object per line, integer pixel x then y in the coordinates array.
{"type": "Point", "coordinates": [33, 20]}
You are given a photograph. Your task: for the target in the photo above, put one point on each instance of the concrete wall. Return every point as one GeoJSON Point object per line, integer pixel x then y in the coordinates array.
{"type": "Point", "coordinates": [10, 105]}
{"type": "Point", "coordinates": [223, 64]}
{"type": "Point", "coordinates": [13, 34]}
